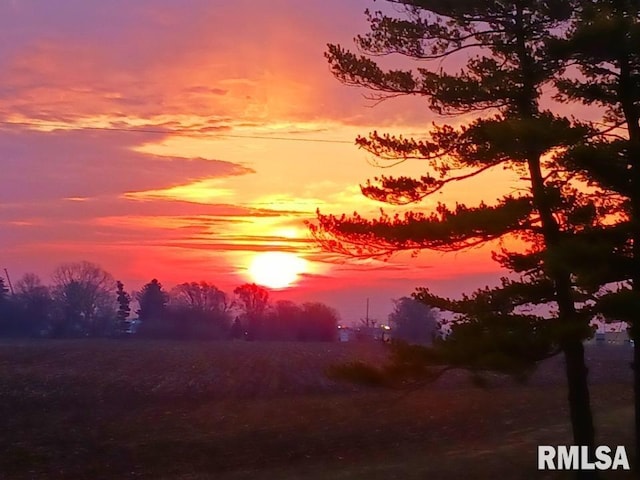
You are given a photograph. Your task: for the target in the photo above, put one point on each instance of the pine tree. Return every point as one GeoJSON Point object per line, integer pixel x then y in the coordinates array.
{"type": "Point", "coordinates": [509, 63]}
{"type": "Point", "coordinates": [124, 309]}
{"type": "Point", "coordinates": [604, 44]}
{"type": "Point", "coordinates": [152, 299]}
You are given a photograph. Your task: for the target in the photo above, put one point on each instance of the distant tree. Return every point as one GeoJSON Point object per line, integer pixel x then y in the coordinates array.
{"type": "Point", "coordinates": [413, 321]}
{"type": "Point", "coordinates": [253, 300]}
{"type": "Point", "coordinates": [200, 310]}
{"type": "Point", "coordinates": [30, 283]}
{"type": "Point", "coordinates": [319, 322]}
{"type": "Point", "coordinates": [201, 296]}
{"type": "Point", "coordinates": [35, 304]}
{"type": "Point", "coordinates": [284, 321]}
{"type": "Point", "coordinates": [237, 330]}
{"type": "Point", "coordinates": [152, 312]}
{"type": "Point", "coordinates": [72, 310]}
{"type": "Point", "coordinates": [124, 308]}
{"type": "Point", "coordinates": [84, 294]}
{"type": "Point", "coordinates": [290, 312]}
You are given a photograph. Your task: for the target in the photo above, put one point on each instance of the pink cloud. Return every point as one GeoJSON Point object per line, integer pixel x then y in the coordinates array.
{"type": "Point", "coordinates": [249, 61]}
{"type": "Point", "coordinates": [40, 166]}
{"type": "Point", "coordinates": [240, 66]}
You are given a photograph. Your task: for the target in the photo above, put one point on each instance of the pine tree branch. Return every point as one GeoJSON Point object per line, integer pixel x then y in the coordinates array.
{"type": "Point", "coordinates": [443, 230]}
{"type": "Point", "coordinates": [416, 192]}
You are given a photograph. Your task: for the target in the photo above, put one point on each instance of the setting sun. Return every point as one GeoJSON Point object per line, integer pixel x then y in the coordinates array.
{"type": "Point", "coordinates": [276, 269]}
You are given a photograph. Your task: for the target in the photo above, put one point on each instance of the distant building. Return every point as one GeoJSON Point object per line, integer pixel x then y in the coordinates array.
{"type": "Point", "coordinates": [610, 338]}
{"type": "Point", "coordinates": [363, 333]}
{"type": "Point", "coordinates": [131, 326]}
{"type": "Point", "coordinates": [345, 334]}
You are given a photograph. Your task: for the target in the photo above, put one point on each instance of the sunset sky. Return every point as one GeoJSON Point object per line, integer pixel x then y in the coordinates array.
{"type": "Point", "coordinates": [176, 188]}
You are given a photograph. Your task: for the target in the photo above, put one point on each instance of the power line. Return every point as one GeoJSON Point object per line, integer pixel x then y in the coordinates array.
{"type": "Point", "coordinates": [182, 132]}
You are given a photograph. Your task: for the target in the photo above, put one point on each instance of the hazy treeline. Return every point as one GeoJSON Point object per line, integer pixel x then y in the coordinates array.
{"type": "Point", "coordinates": [83, 300]}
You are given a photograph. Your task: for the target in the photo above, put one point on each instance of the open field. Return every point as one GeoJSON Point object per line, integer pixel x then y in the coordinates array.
{"type": "Point", "coordinates": [89, 409]}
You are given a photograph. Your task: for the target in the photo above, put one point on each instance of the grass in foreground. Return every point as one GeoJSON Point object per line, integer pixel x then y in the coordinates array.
{"type": "Point", "coordinates": [129, 409]}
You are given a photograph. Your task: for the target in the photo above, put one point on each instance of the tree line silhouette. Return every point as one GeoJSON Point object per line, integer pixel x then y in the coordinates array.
{"type": "Point", "coordinates": [84, 300]}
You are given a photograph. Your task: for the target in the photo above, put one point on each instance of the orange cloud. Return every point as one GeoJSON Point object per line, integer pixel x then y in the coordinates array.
{"type": "Point", "coordinates": [167, 194]}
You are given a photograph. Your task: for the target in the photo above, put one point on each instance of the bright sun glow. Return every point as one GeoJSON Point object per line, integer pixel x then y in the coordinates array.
{"type": "Point", "coordinates": [276, 269]}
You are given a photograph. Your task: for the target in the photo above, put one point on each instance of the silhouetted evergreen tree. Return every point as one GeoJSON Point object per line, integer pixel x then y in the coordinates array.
{"type": "Point", "coordinates": [505, 46]}
{"type": "Point", "coordinates": [124, 308]}
{"type": "Point", "coordinates": [152, 312]}
{"type": "Point", "coordinates": [604, 44]}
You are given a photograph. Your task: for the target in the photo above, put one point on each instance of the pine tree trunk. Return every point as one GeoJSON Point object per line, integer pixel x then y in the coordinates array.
{"type": "Point", "coordinates": [626, 91]}
{"type": "Point", "coordinates": [572, 347]}
{"type": "Point", "coordinates": [634, 327]}
{"type": "Point", "coordinates": [636, 391]}
{"type": "Point", "coordinates": [634, 330]}
{"type": "Point", "coordinates": [576, 369]}
{"type": "Point", "coordinates": [579, 403]}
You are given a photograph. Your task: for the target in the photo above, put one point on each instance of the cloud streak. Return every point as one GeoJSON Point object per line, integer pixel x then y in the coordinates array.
{"type": "Point", "coordinates": [185, 202]}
